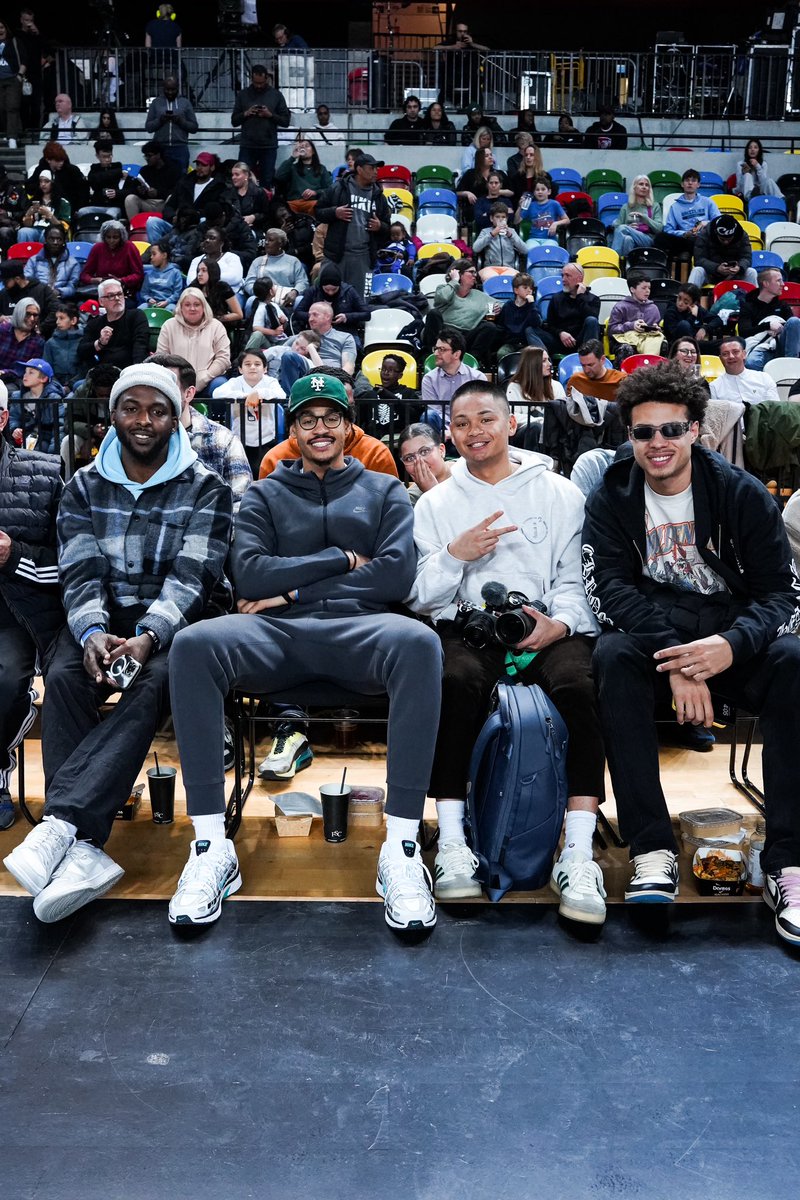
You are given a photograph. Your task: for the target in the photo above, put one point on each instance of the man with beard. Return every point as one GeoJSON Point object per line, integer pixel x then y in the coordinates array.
{"type": "Point", "coordinates": [323, 549]}
{"type": "Point", "coordinates": [143, 534]}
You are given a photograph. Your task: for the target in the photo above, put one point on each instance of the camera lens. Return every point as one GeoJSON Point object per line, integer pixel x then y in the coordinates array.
{"type": "Point", "coordinates": [513, 627]}
{"type": "Point", "coordinates": [478, 632]}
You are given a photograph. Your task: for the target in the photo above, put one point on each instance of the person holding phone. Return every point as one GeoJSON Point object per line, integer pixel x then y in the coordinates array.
{"type": "Point", "coordinates": [260, 110]}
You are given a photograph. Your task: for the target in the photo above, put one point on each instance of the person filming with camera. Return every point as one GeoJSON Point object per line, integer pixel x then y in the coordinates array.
{"type": "Point", "coordinates": [504, 523]}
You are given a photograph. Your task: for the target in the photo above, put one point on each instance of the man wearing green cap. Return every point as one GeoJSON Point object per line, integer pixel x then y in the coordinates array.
{"type": "Point", "coordinates": [323, 548]}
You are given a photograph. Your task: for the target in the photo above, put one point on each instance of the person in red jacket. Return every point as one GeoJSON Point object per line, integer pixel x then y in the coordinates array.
{"type": "Point", "coordinates": [114, 257]}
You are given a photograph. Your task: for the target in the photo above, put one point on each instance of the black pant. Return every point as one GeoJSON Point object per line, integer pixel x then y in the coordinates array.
{"type": "Point", "coordinates": [90, 765]}
{"type": "Point", "coordinates": [17, 665]}
{"type": "Point", "coordinates": [767, 686]}
{"type": "Point", "coordinates": [674, 245]}
{"type": "Point", "coordinates": [562, 670]}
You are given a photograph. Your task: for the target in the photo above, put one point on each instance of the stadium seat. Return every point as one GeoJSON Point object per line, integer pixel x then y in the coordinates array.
{"type": "Point", "coordinates": [668, 201]}
{"type": "Point", "coordinates": [433, 176]}
{"type": "Point", "coordinates": [584, 231]}
{"type": "Point", "coordinates": [469, 360]}
{"type": "Point", "coordinates": [142, 247]}
{"type": "Point", "coordinates": [753, 232]}
{"type": "Point", "coordinates": [664, 183]}
{"type": "Point", "coordinates": [603, 180]}
{"type": "Point", "coordinates": [635, 361]}
{"type": "Point", "coordinates": [371, 366]}
{"type": "Point", "coordinates": [499, 287]}
{"type": "Point", "coordinates": [711, 367]}
{"type": "Point", "coordinates": [400, 200]}
{"type": "Point", "coordinates": [662, 291]}
{"type": "Point", "coordinates": [545, 262]}
{"type": "Point", "coordinates": [437, 200]}
{"type": "Point", "coordinates": [598, 262]}
{"type": "Point", "coordinates": [432, 248]}
{"type": "Point", "coordinates": [732, 285]}
{"type": "Point", "coordinates": [566, 178]}
{"type": "Point", "coordinates": [140, 220]}
{"type": "Point", "coordinates": [571, 363]}
{"type": "Point", "coordinates": [790, 186]}
{"type": "Point", "coordinates": [436, 227]}
{"type": "Point", "coordinates": [648, 261]}
{"type": "Point", "coordinates": [609, 206]}
{"type": "Point", "coordinates": [133, 169]}
{"type": "Point", "coordinates": [429, 283]}
{"type": "Point", "coordinates": [25, 250]}
{"type": "Point", "coordinates": [546, 289]}
{"type": "Point", "coordinates": [394, 174]}
{"type": "Point", "coordinates": [80, 250]}
{"type": "Point", "coordinates": [783, 238]}
{"type": "Point", "coordinates": [156, 317]}
{"type": "Point", "coordinates": [609, 291]}
{"type": "Point", "coordinates": [728, 204]}
{"type": "Point", "coordinates": [507, 366]}
{"type": "Point", "coordinates": [765, 258]}
{"type": "Point", "coordinates": [766, 210]}
{"type": "Point", "coordinates": [710, 183]}
{"type": "Point", "coordinates": [790, 294]}
{"type": "Point", "coordinates": [385, 324]}
{"type": "Point", "coordinates": [785, 372]}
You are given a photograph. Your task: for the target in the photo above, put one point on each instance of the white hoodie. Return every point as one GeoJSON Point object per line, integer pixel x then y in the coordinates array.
{"type": "Point", "coordinates": [542, 558]}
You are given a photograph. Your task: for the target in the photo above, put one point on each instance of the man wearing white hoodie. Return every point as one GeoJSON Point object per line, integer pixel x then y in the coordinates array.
{"type": "Point", "coordinates": [504, 516]}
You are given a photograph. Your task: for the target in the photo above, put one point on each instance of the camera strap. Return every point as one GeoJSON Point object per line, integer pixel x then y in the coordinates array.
{"type": "Point", "coordinates": [515, 664]}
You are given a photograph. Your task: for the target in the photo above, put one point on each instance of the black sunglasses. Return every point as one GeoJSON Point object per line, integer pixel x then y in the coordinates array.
{"type": "Point", "coordinates": [670, 430]}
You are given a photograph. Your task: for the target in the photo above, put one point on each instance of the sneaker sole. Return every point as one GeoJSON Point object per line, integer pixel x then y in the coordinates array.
{"type": "Point", "coordinates": [576, 914]}
{"type": "Point", "coordinates": [792, 938]}
{"type": "Point", "coordinates": [300, 763]}
{"type": "Point", "coordinates": [32, 886]}
{"type": "Point", "coordinates": [468, 889]}
{"type": "Point", "coordinates": [400, 925]}
{"type": "Point", "coordinates": [228, 890]}
{"type": "Point", "coordinates": [650, 897]}
{"type": "Point", "coordinates": [56, 908]}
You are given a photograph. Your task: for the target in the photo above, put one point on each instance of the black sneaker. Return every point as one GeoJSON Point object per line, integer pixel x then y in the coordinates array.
{"type": "Point", "coordinates": [655, 878]}
{"type": "Point", "coordinates": [7, 811]}
{"type": "Point", "coordinates": [782, 894]}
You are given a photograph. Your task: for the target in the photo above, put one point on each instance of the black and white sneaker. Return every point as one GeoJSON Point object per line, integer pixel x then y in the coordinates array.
{"type": "Point", "coordinates": [209, 877]}
{"type": "Point", "coordinates": [405, 884]}
{"type": "Point", "coordinates": [655, 878]}
{"type": "Point", "coordinates": [782, 894]}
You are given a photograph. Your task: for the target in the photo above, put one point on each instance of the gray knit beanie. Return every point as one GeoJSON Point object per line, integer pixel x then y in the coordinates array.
{"type": "Point", "coordinates": [147, 375]}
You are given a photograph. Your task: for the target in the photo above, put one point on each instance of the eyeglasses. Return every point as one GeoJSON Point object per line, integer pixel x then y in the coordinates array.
{"type": "Point", "coordinates": [112, 295]}
{"type": "Point", "coordinates": [687, 350]}
{"type": "Point", "coordinates": [408, 460]}
{"type": "Point", "coordinates": [671, 430]}
{"type": "Point", "coordinates": [331, 420]}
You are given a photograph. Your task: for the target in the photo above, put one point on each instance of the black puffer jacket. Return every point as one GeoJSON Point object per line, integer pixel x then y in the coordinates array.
{"type": "Point", "coordinates": [30, 491]}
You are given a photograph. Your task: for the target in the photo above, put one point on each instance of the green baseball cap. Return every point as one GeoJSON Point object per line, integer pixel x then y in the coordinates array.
{"type": "Point", "coordinates": [317, 387]}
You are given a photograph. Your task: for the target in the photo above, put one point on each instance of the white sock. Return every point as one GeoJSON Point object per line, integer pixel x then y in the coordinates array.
{"type": "Point", "coordinates": [579, 826]}
{"type": "Point", "coordinates": [65, 827]}
{"type": "Point", "coordinates": [451, 821]}
{"type": "Point", "coordinates": [210, 828]}
{"type": "Point", "coordinates": [399, 830]}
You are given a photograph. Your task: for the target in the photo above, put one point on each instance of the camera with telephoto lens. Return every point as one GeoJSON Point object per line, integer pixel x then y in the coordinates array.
{"type": "Point", "coordinates": [501, 620]}
{"type": "Point", "coordinates": [123, 671]}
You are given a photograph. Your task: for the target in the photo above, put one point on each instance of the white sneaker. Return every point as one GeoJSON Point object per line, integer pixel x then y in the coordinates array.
{"type": "Point", "coordinates": [454, 872]}
{"type": "Point", "coordinates": [288, 754]}
{"type": "Point", "coordinates": [85, 872]}
{"type": "Point", "coordinates": [782, 894]}
{"type": "Point", "coordinates": [579, 882]}
{"type": "Point", "coordinates": [33, 861]}
{"type": "Point", "coordinates": [12, 143]}
{"type": "Point", "coordinates": [405, 884]}
{"type": "Point", "coordinates": [655, 878]}
{"type": "Point", "coordinates": [208, 878]}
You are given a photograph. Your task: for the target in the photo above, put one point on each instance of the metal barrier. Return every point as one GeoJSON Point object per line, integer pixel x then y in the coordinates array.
{"type": "Point", "coordinates": [679, 80]}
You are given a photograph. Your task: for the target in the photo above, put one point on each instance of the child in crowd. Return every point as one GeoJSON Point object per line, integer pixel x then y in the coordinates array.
{"type": "Point", "coordinates": [269, 320]}
{"type": "Point", "coordinates": [255, 422]}
{"type": "Point", "coordinates": [400, 251]}
{"type": "Point", "coordinates": [546, 216]}
{"type": "Point", "coordinates": [635, 323]}
{"type": "Point", "coordinates": [686, 317]}
{"type": "Point", "coordinates": [499, 244]}
{"type": "Point", "coordinates": [61, 349]}
{"type": "Point", "coordinates": [307, 345]}
{"type": "Point", "coordinates": [32, 422]}
{"type": "Point", "coordinates": [519, 319]}
{"type": "Point", "coordinates": [163, 281]}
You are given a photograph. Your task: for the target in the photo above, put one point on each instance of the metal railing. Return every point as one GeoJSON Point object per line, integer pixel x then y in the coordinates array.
{"type": "Point", "coordinates": [672, 81]}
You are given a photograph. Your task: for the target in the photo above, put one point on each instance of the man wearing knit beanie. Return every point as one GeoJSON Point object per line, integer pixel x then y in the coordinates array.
{"type": "Point", "coordinates": [143, 534]}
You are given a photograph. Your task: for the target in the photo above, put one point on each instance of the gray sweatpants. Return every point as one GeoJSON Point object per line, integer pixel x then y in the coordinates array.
{"type": "Point", "coordinates": [370, 654]}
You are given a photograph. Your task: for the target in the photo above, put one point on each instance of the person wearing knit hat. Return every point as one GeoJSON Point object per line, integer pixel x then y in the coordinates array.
{"type": "Point", "coordinates": [143, 535]}
{"type": "Point", "coordinates": [350, 310]}
{"type": "Point", "coordinates": [722, 251]}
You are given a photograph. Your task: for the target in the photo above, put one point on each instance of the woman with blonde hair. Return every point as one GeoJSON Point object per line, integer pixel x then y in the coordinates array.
{"type": "Point", "coordinates": [483, 140]}
{"type": "Point", "coordinates": [532, 383]}
{"type": "Point", "coordinates": [196, 334]}
{"type": "Point", "coordinates": [639, 220]}
{"type": "Point", "coordinates": [530, 169]}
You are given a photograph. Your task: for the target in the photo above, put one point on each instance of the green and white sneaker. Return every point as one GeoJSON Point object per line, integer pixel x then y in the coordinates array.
{"type": "Point", "coordinates": [289, 753]}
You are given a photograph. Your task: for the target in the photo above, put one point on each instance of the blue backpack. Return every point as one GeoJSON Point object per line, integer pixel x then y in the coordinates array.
{"type": "Point", "coordinates": [517, 792]}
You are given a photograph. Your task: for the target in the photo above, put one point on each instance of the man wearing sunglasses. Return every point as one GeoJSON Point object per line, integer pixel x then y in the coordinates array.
{"type": "Point", "coordinates": [688, 568]}
{"type": "Point", "coordinates": [323, 548]}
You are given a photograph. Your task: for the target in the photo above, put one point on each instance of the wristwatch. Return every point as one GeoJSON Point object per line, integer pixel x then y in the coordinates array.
{"type": "Point", "coordinates": [154, 636]}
